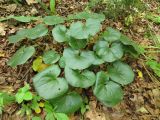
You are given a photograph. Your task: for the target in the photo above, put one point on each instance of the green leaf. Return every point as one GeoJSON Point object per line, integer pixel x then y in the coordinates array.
{"type": "Point", "coordinates": [77, 43]}
{"type": "Point", "coordinates": [130, 46]}
{"type": "Point", "coordinates": [80, 31]}
{"type": "Point", "coordinates": [77, 31]}
{"type": "Point", "coordinates": [52, 5]}
{"type": "Point", "coordinates": [59, 33]}
{"type": "Point", "coordinates": [53, 20]}
{"type": "Point", "coordinates": [32, 33]}
{"type": "Point", "coordinates": [76, 60]}
{"type": "Point", "coordinates": [53, 69]}
{"type": "Point", "coordinates": [51, 57]}
{"type": "Point", "coordinates": [155, 66]}
{"type": "Point", "coordinates": [80, 79]}
{"type": "Point", "coordinates": [21, 56]}
{"type": "Point", "coordinates": [36, 32]}
{"type": "Point", "coordinates": [50, 116]}
{"type": "Point", "coordinates": [121, 73]}
{"type": "Point", "coordinates": [61, 116]}
{"type": "Point", "coordinates": [28, 96]}
{"type": "Point", "coordinates": [23, 94]}
{"type": "Point", "coordinates": [108, 92]}
{"type": "Point", "coordinates": [86, 15]}
{"type": "Point", "coordinates": [62, 62]}
{"type": "Point", "coordinates": [111, 35]}
{"type": "Point", "coordinates": [20, 18]}
{"type": "Point", "coordinates": [36, 118]}
{"type": "Point", "coordinates": [69, 103]}
{"type": "Point", "coordinates": [21, 34]}
{"type": "Point", "coordinates": [48, 85]}
{"type": "Point", "coordinates": [108, 52]}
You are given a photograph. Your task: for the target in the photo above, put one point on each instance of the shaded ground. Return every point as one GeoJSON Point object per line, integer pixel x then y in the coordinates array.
{"type": "Point", "coordinates": [142, 97]}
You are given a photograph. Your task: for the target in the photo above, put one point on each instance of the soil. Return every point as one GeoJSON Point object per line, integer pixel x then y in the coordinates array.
{"type": "Point", "coordinates": [141, 98]}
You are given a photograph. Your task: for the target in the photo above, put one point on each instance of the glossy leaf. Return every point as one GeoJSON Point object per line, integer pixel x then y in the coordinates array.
{"type": "Point", "coordinates": [107, 52]}
{"type": "Point", "coordinates": [21, 56]}
{"type": "Point", "coordinates": [121, 73]}
{"type": "Point", "coordinates": [108, 92]}
{"type": "Point", "coordinates": [51, 57]}
{"type": "Point", "coordinates": [59, 33]}
{"type": "Point", "coordinates": [80, 79]}
{"type": "Point", "coordinates": [53, 20]}
{"type": "Point", "coordinates": [69, 103]}
{"type": "Point", "coordinates": [76, 60]}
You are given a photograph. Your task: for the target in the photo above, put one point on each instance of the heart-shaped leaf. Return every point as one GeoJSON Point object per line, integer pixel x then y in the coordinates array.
{"type": "Point", "coordinates": [80, 31]}
{"type": "Point", "coordinates": [47, 82]}
{"type": "Point", "coordinates": [80, 79]}
{"type": "Point", "coordinates": [59, 33]}
{"type": "Point", "coordinates": [77, 43]}
{"type": "Point", "coordinates": [21, 56]}
{"type": "Point", "coordinates": [53, 69]}
{"type": "Point", "coordinates": [76, 60]}
{"type": "Point", "coordinates": [108, 92]}
{"type": "Point", "coordinates": [111, 35]}
{"type": "Point", "coordinates": [121, 73]}
{"type": "Point", "coordinates": [69, 103]}
{"type": "Point", "coordinates": [51, 57]}
{"type": "Point", "coordinates": [107, 52]}
{"type": "Point", "coordinates": [53, 20]}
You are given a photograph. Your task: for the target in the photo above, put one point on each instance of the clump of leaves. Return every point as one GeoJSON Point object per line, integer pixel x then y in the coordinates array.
{"type": "Point", "coordinates": [76, 63]}
{"type": "Point", "coordinates": [5, 99]}
{"type": "Point", "coordinates": [155, 66]}
{"type": "Point", "coordinates": [117, 8]}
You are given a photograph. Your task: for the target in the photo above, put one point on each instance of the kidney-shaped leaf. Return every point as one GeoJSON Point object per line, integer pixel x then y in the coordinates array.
{"type": "Point", "coordinates": [53, 20]}
{"type": "Point", "coordinates": [111, 35]}
{"type": "Point", "coordinates": [121, 73]}
{"type": "Point", "coordinates": [77, 43]}
{"type": "Point", "coordinates": [69, 103]}
{"type": "Point", "coordinates": [51, 57]}
{"type": "Point", "coordinates": [76, 60]}
{"type": "Point", "coordinates": [59, 33]}
{"type": "Point", "coordinates": [108, 92]}
{"type": "Point", "coordinates": [48, 85]}
{"type": "Point", "coordinates": [80, 31]}
{"type": "Point", "coordinates": [76, 78]}
{"type": "Point", "coordinates": [108, 53]}
{"type": "Point", "coordinates": [21, 56]}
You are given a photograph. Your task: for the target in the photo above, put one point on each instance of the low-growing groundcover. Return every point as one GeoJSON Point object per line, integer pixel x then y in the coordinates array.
{"type": "Point", "coordinates": [78, 63]}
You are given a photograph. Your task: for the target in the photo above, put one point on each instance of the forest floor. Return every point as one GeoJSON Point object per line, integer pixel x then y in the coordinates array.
{"type": "Point", "coordinates": [142, 97]}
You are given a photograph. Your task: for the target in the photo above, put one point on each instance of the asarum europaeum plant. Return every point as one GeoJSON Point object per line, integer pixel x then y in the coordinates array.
{"type": "Point", "coordinates": [77, 63]}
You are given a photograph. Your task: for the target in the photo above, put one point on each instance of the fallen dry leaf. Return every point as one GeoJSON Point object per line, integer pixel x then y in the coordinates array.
{"type": "Point", "coordinates": [29, 2]}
